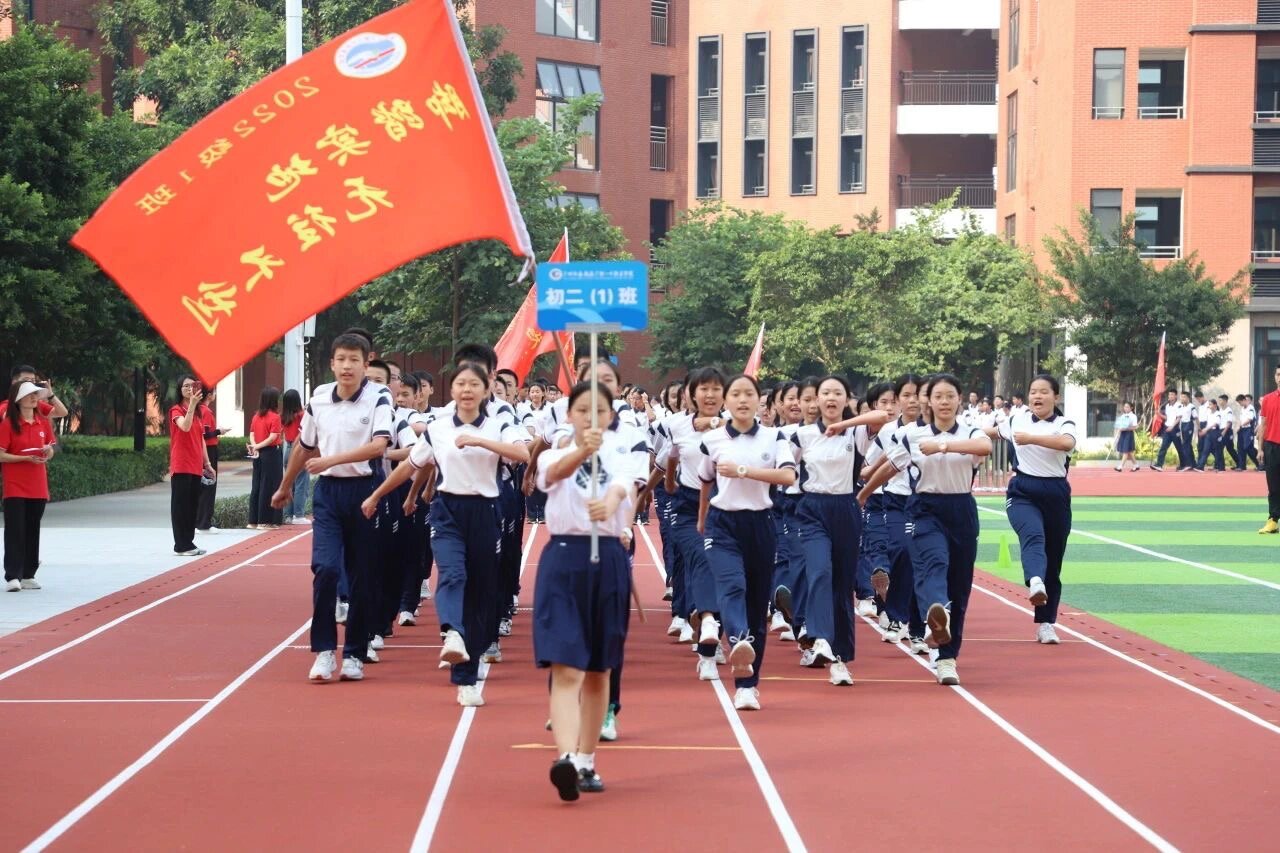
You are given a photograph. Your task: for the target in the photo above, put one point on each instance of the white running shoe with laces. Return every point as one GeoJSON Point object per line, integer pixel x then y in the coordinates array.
{"type": "Point", "coordinates": [377, 642]}
{"type": "Point", "coordinates": [707, 669]}
{"type": "Point", "coordinates": [883, 620]}
{"type": "Point", "coordinates": [807, 657]}
{"type": "Point", "coordinates": [322, 669]}
{"type": "Point", "coordinates": [741, 658]}
{"type": "Point", "coordinates": [14, 585]}
{"type": "Point", "coordinates": [1046, 634]}
{"type": "Point", "coordinates": [340, 612]}
{"type": "Point", "coordinates": [406, 619]}
{"type": "Point", "coordinates": [867, 607]}
{"type": "Point", "coordinates": [778, 623]}
{"type": "Point", "coordinates": [746, 699]}
{"type": "Point", "coordinates": [372, 654]}
{"type": "Point", "coordinates": [352, 669]}
{"type": "Point", "coordinates": [946, 669]}
{"type": "Point", "coordinates": [469, 696]}
{"type": "Point", "coordinates": [454, 650]}
{"type": "Point", "coordinates": [1037, 593]}
{"type": "Point", "coordinates": [822, 651]}
{"type": "Point", "coordinates": [709, 634]}
{"type": "Point", "coordinates": [839, 674]}
{"type": "Point", "coordinates": [504, 628]}
{"type": "Point", "coordinates": [676, 626]}
{"type": "Point", "coordinates": [493, 654]}
{"type": "Point", "coordinates": [939, 621]}
{"type": "Point", "coordinates": [720, 659]}
{"type": "Point", "coordinates": [686, 633]}
{"type": "Point", "coordinates": [919, 646]}
{"type": "Point", "coordinates": [30, 583]}
{"type": "Point", "coordinates": [788, 635]}
{"type": "Point", "coordinates": [895, 632]}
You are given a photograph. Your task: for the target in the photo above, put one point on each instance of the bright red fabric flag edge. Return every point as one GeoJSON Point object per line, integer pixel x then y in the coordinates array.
{"type": "Point", "coordinates": [1157, 390]}
{"type": "Point", "coordinates": [752, 367]}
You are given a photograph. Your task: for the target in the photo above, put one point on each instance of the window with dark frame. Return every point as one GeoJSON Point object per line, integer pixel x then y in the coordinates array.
{"type": "Point", "coordinates": [574, 19]}
{"type": "Point", "coordinates": [804, 117]}
{"type": "Point", "coordinates": [1108, 83]}
{"type": "Point", "coordinates": [707, 155]}
{"type": "Point", "coordinates": [1266, 228]}
{"type": "Point", "coordinates": [1158, 226]}
{"type": "Point", "coordinates": [755, 116]}
{"type": "Point", "coordinates": [1105, 207]}
{"type": "Point", "coordinates": [853, 109]}
{"type": "Point", "coordinates": [1011, 228]}
{"type": "Point", "coordinates": [1160, 84]}
{"type": "Point", "coordinates": [1011, 143]}
{"type": "Point", "coordinates": [1015, 35]}
{"type": "Point", "coordinates": [557, 83]}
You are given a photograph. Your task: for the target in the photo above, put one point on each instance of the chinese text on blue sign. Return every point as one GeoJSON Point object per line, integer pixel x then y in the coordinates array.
{"type": "Point", "coordinates": [593, 292]}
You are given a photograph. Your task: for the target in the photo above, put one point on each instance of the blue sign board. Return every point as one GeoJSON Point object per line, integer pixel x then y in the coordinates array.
{"type": "Point", "coordinates": [612, 293]}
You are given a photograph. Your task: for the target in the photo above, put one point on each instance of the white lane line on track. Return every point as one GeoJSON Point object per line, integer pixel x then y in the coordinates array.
{"type": "Point", "coordinates": [132, 613]}
{"type": "Point", "coordinates": [444, 779]}
{"type": "Point", "coordinates": [1235, 709]}
{"type": "Point", "coordinates": [1089, 789]}
{"type": "Point", "coordinates": [778, 809]}
{"type": "Point", "coordinates": [97, 701]}
{"type": "Point", "coordinates": [1169, 557]}
{"type": "Point", "coordinates": [72, 817]}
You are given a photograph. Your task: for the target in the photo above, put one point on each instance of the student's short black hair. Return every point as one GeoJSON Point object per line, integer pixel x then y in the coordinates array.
{"type": "Point", "coordinates": [1224, 398]}
{"type": "Point", "coordinates": [1240, 398]}
{"type": "Point", "coordinates": [907, 379]}
{"type": "Point", "coordinates": [875, 392]}
{"type": "Point", "coordinates": [479, 353]}
{"type": "Point", "coordinates": [380, 365]}
{"type": "Point", "coordinates": [390, 364]}
{"type": "Point", "coordinates": [350, 340]}
{"type": "Point", "coordinates": [472, 367]}
{"type": "Point", "coordinates": [732, 379]}
{"type": "Point", "coordinates": [703, 376]}
{"type": "Point", "coordinates": [506, 371]}
{"type": "Point", "coordinates": [424, 376]}
{"type": "Point", "coordinates": [411, 382]}
{"type": "Point", "coordinates": [1051, 380]}
{"type": "Point", "coordinates": [1199, 392]}
{"type": "Point", "coordinates": [19, 369]}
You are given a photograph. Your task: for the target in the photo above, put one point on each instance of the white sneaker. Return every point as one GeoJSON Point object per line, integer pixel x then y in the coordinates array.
{"type": "Point", "coordinates": [919, 646]}
{"type": "Point", "coordinates": [710, 633]}
{"type": "Point", "coordinates": [707, 669]}
{"type": "Point", "coordinates": [493, 654]}
{"type": "Point", "coordinates": [1037, 593]}
{"type": "Point", "coordinates": [883, 620]}
{"type": "Point", "coordinates": [340, 612]}
{"type": "Point", "coordinates": [1046, 634]}
{"type": "Point", "coordinates": [686, 633]}
{"type": "Point", "coordinates": [322, 669]}
{"type": "Point", "coordinates": [867, 607]}
{"type": "Point", "coordinates": [425, 592]}
{"type": "Point", "coordinates": [719, 658]}
{"type": "Point", "coordinates": [939, 621]}
{"type": "Point", "coordinates": [895, 632]}
{"type": "Point", "coordinates": [377, 642]}
{"type": "Point", "coordinates": [822, 651]}
{"type": "Point", "coordinates": [746, 699]}
{"type": "Point", "coordinates": [807, 657]}
{"type": "Point", "coordinates": [804, 632]}
{"type": "Point", "coordinates": [609, 728]}
{"type": "Point", "coordinates": [352, 669]}
{"type": "Point", "coordinates": [469, 696]}
{"type": "Point", "coordinates": [372, 654]}
{"type": "Point", "coordinates": [778, 623]}
{"type": "Point", "coordinates": [741, 658]}
{"type": "Point", "coordinates": [504, 628]}
{"type": "Point", "coordinates": [454, 649]}
{"type": "Point", "coordinates": [840, 676]}
{"type": "Point", "coordinates": [406, 619]}
{"type": "Point", "coordinates": [14, 585]}
{"type": "Point", "coordinates": [947, 671]}
{"type": "Point", "coordinates": [300, 519]}
{"type": "Point", "coordinates": [676, 627]}
{"type": "Point", "coordinates": [787, 635]}
{"type": "Point", "coordinates": [30, 583]}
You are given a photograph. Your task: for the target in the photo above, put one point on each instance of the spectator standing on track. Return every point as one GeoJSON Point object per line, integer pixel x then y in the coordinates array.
{"type": "Point", "coordinates": [26, 445]}
{"type": "Point", "coordinates": [209, 491]}
{"type": "Point", "coordinates": [295, 512]}
{"type": "Point", "coordinates": [345, 428]}
{"type": "Point", "coordinates": [581, 607]}
{"type": "Point", "coordinates": [266, 435]}
{"type": "Point", "coordinates": [1269, 444]}
{"type": "Point", "coordinates": [188, 462]}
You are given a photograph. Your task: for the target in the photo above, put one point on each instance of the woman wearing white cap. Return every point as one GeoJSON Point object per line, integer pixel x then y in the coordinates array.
{"type": "Point", "coordinates": [26, 444]}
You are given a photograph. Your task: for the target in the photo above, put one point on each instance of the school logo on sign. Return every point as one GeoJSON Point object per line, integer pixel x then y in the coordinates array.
{"type": "Point", "coordinates": [370, 55]}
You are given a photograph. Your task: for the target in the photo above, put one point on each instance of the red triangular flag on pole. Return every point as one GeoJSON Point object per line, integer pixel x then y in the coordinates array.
{"type": "Point", "coordinates": [1157, 390]}
{"type": "Point", "coordinates": [523, 341]}
{"type": "Point", "coordinates": [564, 339]}
{"type": "Point", "coordinates": [757, 353]}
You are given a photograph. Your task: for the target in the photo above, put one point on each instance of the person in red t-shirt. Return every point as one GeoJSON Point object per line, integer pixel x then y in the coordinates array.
{"type": "Point", "coordinates": [266, 437]}
{"type": "Point", "coordinates": [49, 406]}
{"type": "Point", "coordinates": [26, 444]}
{"type": "Point", "coordinates": [209, 491]}
{"type": "Point", "coordinates": [1269, 443]}
{"type": "Point", "coordinates": [291, 412]}
{"type": "Point", "coordinates": [188, 462]}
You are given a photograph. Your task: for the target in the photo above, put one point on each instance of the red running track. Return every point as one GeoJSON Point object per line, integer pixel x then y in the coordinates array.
{"type": "Point", "coordinates": [228, 746]}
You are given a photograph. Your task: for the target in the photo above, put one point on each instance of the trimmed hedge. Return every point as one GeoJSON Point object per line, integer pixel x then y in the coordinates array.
{"type": "Point", "coordinates": [231, 513]}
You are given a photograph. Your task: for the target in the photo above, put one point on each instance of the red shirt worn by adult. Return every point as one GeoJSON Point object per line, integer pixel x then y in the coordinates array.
{"type": "Point", "coordinates": [43, 408]}
{"type": "Point", "coordinates": [263, 425]}
{"type": "Point", "coordinates": [26, 479]}
{"type": "Point", "coordinates": [209, 423]}
{"type": "Point", "coordinates": [186, 449]}
{"type": "Point", "coordinates": [1270, 409]}
{"type": "Point", "coordinates": [291, 429]}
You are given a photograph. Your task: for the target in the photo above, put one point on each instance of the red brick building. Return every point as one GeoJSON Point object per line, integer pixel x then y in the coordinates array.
{"type": "Point", "coordinates": [1168, 109]}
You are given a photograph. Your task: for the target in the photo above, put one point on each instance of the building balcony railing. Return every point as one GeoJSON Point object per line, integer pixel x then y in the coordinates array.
{"type": "Point", "coordinates": [1108, 112]}
{"type": "Point", "coordinates": [1160, 252]}
{"type": "Point", "coordinates": [948, 87]}
{"type": "Point", "coordinates": [658, 148]}
{"type": "Point", "coordinates": [1161, 112]}
{"type": "Point", "coordinates": [1266, 256]}
{"type": "Point", "coordinates": [1264, 116]}
{"type": "Point", "coordinates": [658, 20]}
{"type": "Point", "coordinates": [976, 191]}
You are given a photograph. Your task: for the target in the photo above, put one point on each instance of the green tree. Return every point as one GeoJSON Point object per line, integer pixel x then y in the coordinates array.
{"type": "Point", "coordinates": [705, 259]}
{"type": "Point", "coordinates": [1115, 305]}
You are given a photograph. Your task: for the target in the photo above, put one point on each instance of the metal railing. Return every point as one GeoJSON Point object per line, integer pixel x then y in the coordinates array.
{"type": "Point", "coordinates": [658, 20]}
{"type": "Point", "coordinates": [1166, 252]}
{"type": "Point", "coordinates": [658, 148]}
{"type": "Point", "coordinates": [1108, 112]}
{"type": "Point", "coordinates": [976, 191]}
{"type": "Point", "coordinates": [948, 87]}
{"type": "Point", "coordinates": [1266, 255]}
{"type": "Point", "coordinates": [1263, 116]}
{"type": "Point", "coordinates": [1161, 112]}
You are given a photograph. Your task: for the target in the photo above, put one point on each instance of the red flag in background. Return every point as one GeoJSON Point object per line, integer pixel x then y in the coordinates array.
{"type": "Point", "coordinates": [1157, 390]}
{"type": "Point", "coordinates": [523, 341]}
{"type": "Point", "coordinates": [367, 152]}
{"type": "Point", "coordinates": [757, 353]}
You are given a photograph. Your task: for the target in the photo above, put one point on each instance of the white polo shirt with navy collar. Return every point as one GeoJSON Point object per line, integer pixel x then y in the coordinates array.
{"type": "Point", "coordinates": [1040, 461]}
{"type": "Point", "coordinates": [622, 461]}
{"type": "Point", "coordinates": [466, 470]}
{"type": "Point", "coordinates": [947, 473]}
{"type": "Point", "coordinates": [334, 425]}
{"type": "Point", "coordinates": [758, 447]}
{"type": "Point", "coordinates": [828, 462]}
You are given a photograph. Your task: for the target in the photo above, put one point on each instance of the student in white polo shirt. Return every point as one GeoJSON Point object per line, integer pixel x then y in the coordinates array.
{"type": "Point", "coordinates": [1038, 500]}
{"type": "Point", "coordinates": [1248, 423]}
{"type": "Point", "coordinates": [1227, 427]}
{"type": "Point", "coordinates": [466, 449]}
{"type": "Point", "coordinates": [346, 427]}
{"type": "Point", "coordinates": [743, 460]}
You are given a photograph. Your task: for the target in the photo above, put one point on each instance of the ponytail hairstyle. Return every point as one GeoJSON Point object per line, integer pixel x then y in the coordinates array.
{"type": "Point", "coordinates": [848, 392]}
{"type": "Point", "coordinates": [875, 392]}
{"type": "Point", "coordinates": [907, 379]}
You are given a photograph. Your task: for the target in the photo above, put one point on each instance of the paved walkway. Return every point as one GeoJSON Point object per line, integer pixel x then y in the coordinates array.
{"type": "Point", "coordinates": [93, 547]}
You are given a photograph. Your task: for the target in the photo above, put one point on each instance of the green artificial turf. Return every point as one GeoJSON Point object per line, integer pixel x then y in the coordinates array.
{"type": "Point", "coordinates": [1229, 622]}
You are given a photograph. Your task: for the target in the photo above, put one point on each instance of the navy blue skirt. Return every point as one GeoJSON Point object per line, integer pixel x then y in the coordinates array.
{"type": "Point", "coordinates": [1125, 444]}
{"type": "Point", "coordinates": [580, 608]}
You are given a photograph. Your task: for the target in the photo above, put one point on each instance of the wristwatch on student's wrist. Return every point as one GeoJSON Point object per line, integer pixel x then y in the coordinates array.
{"type": "Point", "coordinates": [714, 423]}
{"type": "Point", "coordinates": [742, 471]}
{"type": "Point", "coordinates": [942, 447]}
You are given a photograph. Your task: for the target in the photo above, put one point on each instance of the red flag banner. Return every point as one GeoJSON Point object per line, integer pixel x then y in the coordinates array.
{"type": "Point", "coordinates": [367, 152]}
{"type": "Point", "coordinates": [522, 342]}
{"type": "Point", "coordinates": [752, 368]}
{"type": "Point", "coordinates": [1157, 390]}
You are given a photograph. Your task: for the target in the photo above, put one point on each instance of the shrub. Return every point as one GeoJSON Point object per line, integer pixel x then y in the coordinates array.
{"type": "Point", "coordinates": [96, 465]}
{"type": "Point", "coordinates": [232, 512]}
